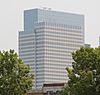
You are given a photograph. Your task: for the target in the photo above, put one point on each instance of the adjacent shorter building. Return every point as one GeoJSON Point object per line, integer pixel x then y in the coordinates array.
{"type": "Point", "coordinates": [88, 45]}
{"type": "Point", "coordinates": [47, 43]}
{"type": "Point", "coordinates": [99, 40]}
{"type": "Point", "coordinates": [48, 89]}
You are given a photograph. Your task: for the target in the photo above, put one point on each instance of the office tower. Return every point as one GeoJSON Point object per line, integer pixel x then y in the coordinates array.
{"type": "Point", "coordinates": [46, 44]}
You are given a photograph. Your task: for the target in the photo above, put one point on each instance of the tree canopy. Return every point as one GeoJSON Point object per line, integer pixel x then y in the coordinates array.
{"type": "Point", "coordinates": [15, 78]}
{"type": "Point", "coordinates": [84, 76]}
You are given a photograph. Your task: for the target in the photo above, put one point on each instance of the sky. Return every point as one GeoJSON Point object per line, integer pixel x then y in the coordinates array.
{"type": "Point", "coordinates": [11, 18]}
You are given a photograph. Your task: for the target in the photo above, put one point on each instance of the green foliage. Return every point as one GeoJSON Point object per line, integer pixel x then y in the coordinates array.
{"type": "Point", "coordinates": [84, 77]}
{"type": "Point", "coordinates": [14, 74]}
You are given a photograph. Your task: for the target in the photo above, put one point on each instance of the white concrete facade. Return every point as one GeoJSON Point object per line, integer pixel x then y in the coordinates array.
{"type": "Point", "coordinates": [48, 46]}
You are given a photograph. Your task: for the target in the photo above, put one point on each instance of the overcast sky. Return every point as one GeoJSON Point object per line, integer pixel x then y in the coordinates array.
{"type": "Point", "coordinates": [11, 18]}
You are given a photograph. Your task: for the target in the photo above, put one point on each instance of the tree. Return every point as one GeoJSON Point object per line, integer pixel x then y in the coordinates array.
{"type": "Point", "coordinates": [84, 76]}
{"type": "Point", "coordinates": [15, 78]}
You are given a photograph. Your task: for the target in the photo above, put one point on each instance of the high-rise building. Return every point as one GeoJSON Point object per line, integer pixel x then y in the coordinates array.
{"type": "Point", "coordinates": [46, 44]}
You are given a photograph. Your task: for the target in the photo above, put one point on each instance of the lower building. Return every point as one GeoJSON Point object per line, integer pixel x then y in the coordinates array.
{"type": "Point", "coordinates": [99, 40]}
{"type": "Point", "coordinates": [35, 92]}
{"type": "Point", "coordinates": [87, 45]}
{"type": "Point", "coordinates": [52, 89]}
{"type": "Point", "coordinates": [48, 89]}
